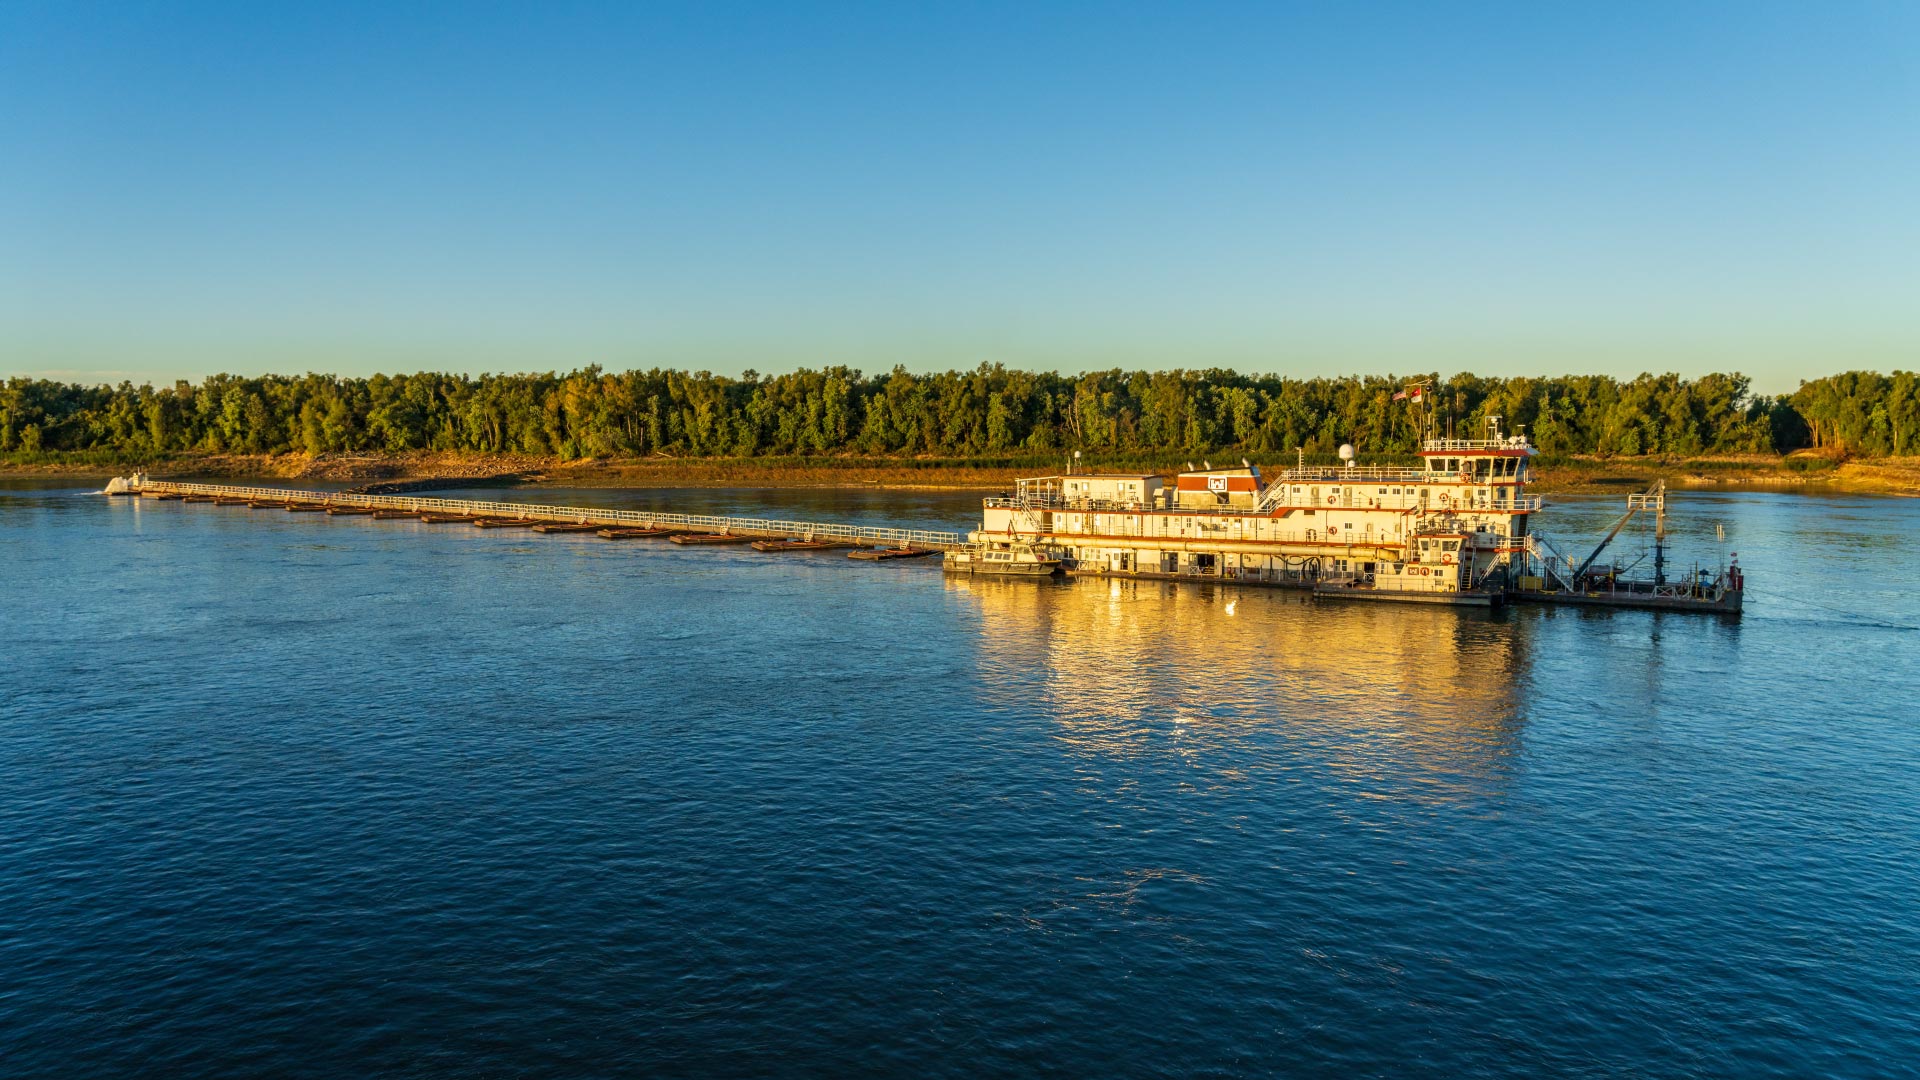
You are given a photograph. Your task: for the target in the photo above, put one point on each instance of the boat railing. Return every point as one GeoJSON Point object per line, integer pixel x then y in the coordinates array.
{"type": "Point", "coordinates": [1396, 474]}
{"type": "Point", "coordinates": [1516, 442]}
{"type": "Point", "coordinates": [859, 534]}
{"type": "Point", "coordinates": [1713, 588]}
{"type": "Point", "coordinates": [1061, 502]}
{"type": "Point", "coordinates": [1377, 583]}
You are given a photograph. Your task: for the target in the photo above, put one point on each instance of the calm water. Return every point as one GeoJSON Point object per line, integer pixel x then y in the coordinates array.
{"type": "Point", "coordinates": [282, 795]}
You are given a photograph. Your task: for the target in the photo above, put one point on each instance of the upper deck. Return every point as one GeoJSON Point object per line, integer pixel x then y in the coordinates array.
{"type": "Point", "coordinates": [1489, 473]}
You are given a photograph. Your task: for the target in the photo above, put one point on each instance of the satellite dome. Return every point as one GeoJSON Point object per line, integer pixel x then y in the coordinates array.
{"type": "Point", "coordinates": [1346, 451]}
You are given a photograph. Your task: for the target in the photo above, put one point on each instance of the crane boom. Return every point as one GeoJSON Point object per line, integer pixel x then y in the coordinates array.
{"type": "Point", "coordinates": [1634, 504]}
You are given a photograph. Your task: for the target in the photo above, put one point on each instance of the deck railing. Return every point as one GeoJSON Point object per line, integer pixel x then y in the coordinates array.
{"type": "Point", "coordinates": [858, 534]}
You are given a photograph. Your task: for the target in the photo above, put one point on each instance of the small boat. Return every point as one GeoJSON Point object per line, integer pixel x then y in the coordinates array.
{"type": "Point", "coordinates": [797, 545]}
{"type": "Point", "coordinates": [446, 519]}
{"type": "Point", "coordinates": [393, 515]}
{"type": "Point", "coordinates": [567, 527]}
{"type": "Point", "coordinates": [1010, 558]}
{"type": "Point", "coordinates": [199, 498]}
{"type": "Point", "coordinates": [305, 508]}
{"type": "Point", "coordinates": [503, 523]}
{"type": "Point", "coordinates": [635, 534]}
{"type": "Point", "coordinates": [883, 554]}
{"type": "Point", "coordinates": [708, 538]}
{"type": "Point", "coordinates": [265, 504]}
{"type": "Point", "coordinates": [333, 511]}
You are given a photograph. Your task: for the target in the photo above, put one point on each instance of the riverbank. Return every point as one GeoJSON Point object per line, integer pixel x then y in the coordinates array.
{"type": "Point", "coordinates": [1885, 476]}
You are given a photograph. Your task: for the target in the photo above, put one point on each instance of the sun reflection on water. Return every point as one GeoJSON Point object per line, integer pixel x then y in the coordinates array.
{"type": "Point", "coordinates": [1390, 702]}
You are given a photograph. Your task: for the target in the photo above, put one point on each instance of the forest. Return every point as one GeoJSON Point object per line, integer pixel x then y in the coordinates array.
{"type": "Point", "coordinates": [956, 414]}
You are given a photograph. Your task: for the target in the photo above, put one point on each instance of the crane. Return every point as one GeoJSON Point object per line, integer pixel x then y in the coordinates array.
{"type": "Point", "coordinates": [1655, 499]}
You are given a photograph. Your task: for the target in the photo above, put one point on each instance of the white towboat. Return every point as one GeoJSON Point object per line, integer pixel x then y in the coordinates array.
{"type": "Point", "coordinates": [1015, 558]}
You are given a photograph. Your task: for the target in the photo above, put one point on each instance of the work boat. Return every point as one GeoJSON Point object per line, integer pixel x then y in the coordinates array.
{"type": "Point", "coordinates": [1455, 529]}
{"type": "Point", "coordinates": [1015, 558]}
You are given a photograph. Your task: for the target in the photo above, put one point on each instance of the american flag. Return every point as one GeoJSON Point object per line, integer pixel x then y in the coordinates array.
{"type": "Point", "coordinates": [1404, 394]}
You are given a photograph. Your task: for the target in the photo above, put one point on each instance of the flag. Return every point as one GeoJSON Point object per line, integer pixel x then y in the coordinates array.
{"type": "Point", "coordinates": [1401, 396]}
{"type": "Point", "coordinates": [1416, 393]}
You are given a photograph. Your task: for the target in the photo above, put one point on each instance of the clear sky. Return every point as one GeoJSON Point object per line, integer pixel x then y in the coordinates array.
{"type": "Point", "coordinates": [1525, 188]}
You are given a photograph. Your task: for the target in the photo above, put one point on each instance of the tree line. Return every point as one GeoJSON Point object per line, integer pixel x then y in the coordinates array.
{"type": "Point", "coordinates": [988, 411]}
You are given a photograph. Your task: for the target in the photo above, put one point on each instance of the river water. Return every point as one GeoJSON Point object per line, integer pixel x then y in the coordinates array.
{"type": "Point", "coordinates": [284, 795]}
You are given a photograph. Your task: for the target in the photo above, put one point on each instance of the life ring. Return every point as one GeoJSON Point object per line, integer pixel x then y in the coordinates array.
{"type": "Point", "coordinates": [1333, 500]}
{"type": "Point", "coordinates": [1446, 502]}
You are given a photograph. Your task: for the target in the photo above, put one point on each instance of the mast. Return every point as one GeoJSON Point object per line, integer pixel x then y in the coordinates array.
{"type": "Point", "coordinates": [1660, 536]}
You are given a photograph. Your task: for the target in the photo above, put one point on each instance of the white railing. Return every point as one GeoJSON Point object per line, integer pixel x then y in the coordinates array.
{"type": "Point", "coordinates": [1517, 442]}
{"type": "Point", "coordinates": [1392, 474]}
{"type": "Point", "coordinates": [858, 534]}
{"type": "Point", "coordinates": [1552, 564]}
{"type": "Point", "coordinates": [1061, 502]}
{"type": "Point", "coordinates": [1384, 584]}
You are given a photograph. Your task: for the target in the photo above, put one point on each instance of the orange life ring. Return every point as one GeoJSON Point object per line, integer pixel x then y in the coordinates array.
{"type": "Point", "coordinates": [1333, 500]}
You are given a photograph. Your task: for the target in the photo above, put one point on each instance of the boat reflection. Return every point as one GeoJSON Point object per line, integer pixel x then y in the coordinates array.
{"type": "Point", "coordinates": [1406, 702]}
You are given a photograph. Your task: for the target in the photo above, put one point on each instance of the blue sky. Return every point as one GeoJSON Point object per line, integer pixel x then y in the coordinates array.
{"type": "Point", "coordinates": [1524, 188]}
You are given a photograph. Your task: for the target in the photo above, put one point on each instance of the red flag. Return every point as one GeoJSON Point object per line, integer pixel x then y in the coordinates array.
{"type": "Point", "coordinates": [1416, 393]}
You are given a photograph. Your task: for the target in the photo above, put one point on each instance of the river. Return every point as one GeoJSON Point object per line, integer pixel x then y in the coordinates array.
{"type": "Point", "coordinates": [295, 796]}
